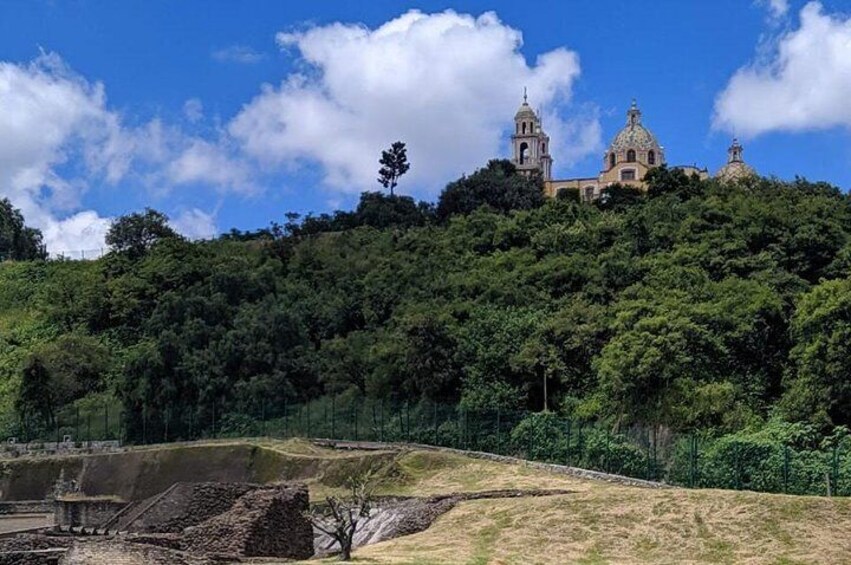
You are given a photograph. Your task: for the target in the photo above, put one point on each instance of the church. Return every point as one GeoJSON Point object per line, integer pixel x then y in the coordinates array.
{"type": "Point", "coordinates": [633, 152]}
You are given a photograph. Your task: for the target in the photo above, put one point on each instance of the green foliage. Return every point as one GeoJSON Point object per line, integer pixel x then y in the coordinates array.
{"type": "Point", "coordinates": [775, 457]}
{"type": "Point", "coordinates": [544, 436]}
{"type": "Point", "coordinates": [618, 197]}
{"type": "Point", "coordinates": [379, 211]}
{"type": "Point", "coordinates": [17, 241]}
{"type": "Point", "coordinates": [394, 164]}
{"type": "Point", "coordinates": [134, 234]}
{"type": "Point", "coordinates": [699, 307]}
{"type": "Point", "coordinates": [540, 436]}
{"type": "Point", "coordinates": [498, 186]}
{"type": "Point", "coordinates": [568, 194]}
{"type": "Point", "coordinates": [819, 383]}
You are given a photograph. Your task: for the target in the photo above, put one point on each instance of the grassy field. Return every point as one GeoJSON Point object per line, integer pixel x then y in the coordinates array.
{"type": "Point", "coordinates": [605, 523]}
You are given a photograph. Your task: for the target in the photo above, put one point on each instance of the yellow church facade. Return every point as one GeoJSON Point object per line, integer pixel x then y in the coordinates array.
{"type": "Point", "coordinates": [631, 154]}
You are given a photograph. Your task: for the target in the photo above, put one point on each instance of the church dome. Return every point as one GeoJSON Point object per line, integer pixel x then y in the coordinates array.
{"type": "Point", "coordinates": [634, 135]}
{"type": "Point", "coordinates": [736, 168]}
{"type": "Point", "coordinates": [525, 111]}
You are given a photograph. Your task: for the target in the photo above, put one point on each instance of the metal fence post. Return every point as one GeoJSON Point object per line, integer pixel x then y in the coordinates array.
{"type": "Point", "coordinates": [786, 469]}
{"type": "Point", "coordinates": [434, 422]}
{"type": "Point", "coordinates": [738, 463]}
{"type": "Point", "coordinates": [835, 469]}
{"type": "Point", "coordinates": [531, 446]}
{"type": "Point", "coordinates": [497, 430]}
{"type": "Point", "coordinates": [691, 460]}
{"type": "Point", "coordinates": [655, 451]}
{"type": "Point", "coordinates": [382, 419]}
{"type": "Point", "coordinates": [408, 420]}
{"type": "Point", "coordinates": [567, 446]}
{"type": "Point", "coordinates": [357, 413]}
{"type": "Point", "coordinates": [333, 416]}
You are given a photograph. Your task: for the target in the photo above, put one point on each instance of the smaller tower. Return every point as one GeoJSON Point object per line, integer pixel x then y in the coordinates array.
{"type": "Point", "coordinates": [734, 153]}
{"type": "Point", "coordinates": [736, 168]}
{"type": "Point", "coordinates": [531, 146]}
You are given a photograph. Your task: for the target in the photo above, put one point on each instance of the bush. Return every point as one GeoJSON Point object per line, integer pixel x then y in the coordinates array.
{"type": "Point", "coordinates": [540, 436]}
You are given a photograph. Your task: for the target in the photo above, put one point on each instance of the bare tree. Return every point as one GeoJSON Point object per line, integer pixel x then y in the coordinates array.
{"type": "Point", "coordinates": [340, 516]}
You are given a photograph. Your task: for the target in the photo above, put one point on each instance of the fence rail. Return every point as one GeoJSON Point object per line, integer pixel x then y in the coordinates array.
{"type": "Point", "coordinates": [694, 459]}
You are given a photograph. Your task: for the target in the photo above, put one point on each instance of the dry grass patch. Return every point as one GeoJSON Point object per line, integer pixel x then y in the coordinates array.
{"type": "Point", "coordinates": [614, 524]}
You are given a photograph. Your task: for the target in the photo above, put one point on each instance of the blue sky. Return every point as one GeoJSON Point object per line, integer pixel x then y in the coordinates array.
{"type": "Point", "coordinates": [226, 114]}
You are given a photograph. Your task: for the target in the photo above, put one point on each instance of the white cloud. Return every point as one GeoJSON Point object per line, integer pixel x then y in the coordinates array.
{"type": "Point", "coordinates": [447, 84]}
{"type": "Point", "coordinates": [78, 236]}
{"type": "Point", "coordinates": [57, 121]}
{"type": "Point", "coordinates": [67, 139]}
{"type": "Point", "coordinates": [205, 162]}
{"type": "Point", "coordinates": [777, 9]}
{"type": "Point", "coordinates": [241, 54]}
{"type": "Point", "coordinates": [195, 224]}
{"type": "Point", "coordinates": [803, 84]}
{"type": "Point", "coordinates": [193, 110]}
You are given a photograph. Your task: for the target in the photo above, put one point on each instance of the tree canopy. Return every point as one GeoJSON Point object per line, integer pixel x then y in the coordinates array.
{"type": "Point", "coordinates": [698, 305]}
{"type": "Point", "coordinates": [18, 241]}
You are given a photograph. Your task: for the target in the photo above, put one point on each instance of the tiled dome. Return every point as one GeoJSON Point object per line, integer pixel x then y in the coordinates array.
{"type": "Point", "coordinates": [736, 168]}
{"type": "Point", "coordinates": [735, 171]}
{"type": "Point", "coordinates": [634, 135]}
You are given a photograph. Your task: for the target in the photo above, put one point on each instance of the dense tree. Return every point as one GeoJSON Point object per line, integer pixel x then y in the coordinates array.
{"type": "Point", "coordinates": [498, 185]}
{"type": "Point", "coordinates": [379, 211]}
{"type": "Point", "coordinates": [35, 398]}
{"type": "Point", "coordinates": [18, 241]}
{"type": "Point", "coordinates": [134, 234]}
{"type": "Point", "coordinates": [698, 306]}
{"type": "Point", "coordinates": [819, 387]}
{"type": "Point", "coordinates": [618, 197]}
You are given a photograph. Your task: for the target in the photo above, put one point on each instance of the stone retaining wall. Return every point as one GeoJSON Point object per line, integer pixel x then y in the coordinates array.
{"type": "Point", "coordinates": [86, 512]}
{"type": "Point", "coordinates": [26, 507]}
{"type": "Point", "coordinates": [268, 522]}
{"type": "Point", "coordinates": [35, 557]}
{"type": "Point", "coordinates": [550, 467]}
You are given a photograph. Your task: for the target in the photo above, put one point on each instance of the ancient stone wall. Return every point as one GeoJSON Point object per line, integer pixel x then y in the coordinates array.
{"type": "Point", "coordinates": [268, 522]}
{"type": "Point", "coordinates": [36, 557]}
{"type": "Point", "coordinates": [189, 504]}
{"type": "Point", "coordinates": [86, 512]}
{"type": "Point", "coordinates": [26, 507]}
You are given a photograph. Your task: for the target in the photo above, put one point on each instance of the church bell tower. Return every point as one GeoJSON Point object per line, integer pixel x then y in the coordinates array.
{"type": "Point", "coordinates": [531, 146]}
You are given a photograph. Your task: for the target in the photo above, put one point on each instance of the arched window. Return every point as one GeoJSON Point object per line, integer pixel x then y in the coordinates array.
{"type": "Point", "coordinates": [543, 149]}
{"type": "Point", "coordinates": [524, 152]}
{"type": "Point", "coordinates": [589, 193]}
{"type": "Point", "coordinates": [630, 156]}
{"type": "Point", "coordinates": [612, 160]}
{"type": "Point", "coordinates": [651, 157]}
{"type": "Point", "coordinates": [516, 128]}
{"type": "Point", "coordinates": [524, 127]}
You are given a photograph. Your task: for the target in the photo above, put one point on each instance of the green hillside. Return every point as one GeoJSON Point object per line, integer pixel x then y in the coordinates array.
{"type": "Point", "coordinates": [719, 310]}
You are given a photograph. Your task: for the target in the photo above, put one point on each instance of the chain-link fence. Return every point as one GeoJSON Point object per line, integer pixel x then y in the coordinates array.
{"type": "Point", "coordinates": [696, 459]}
